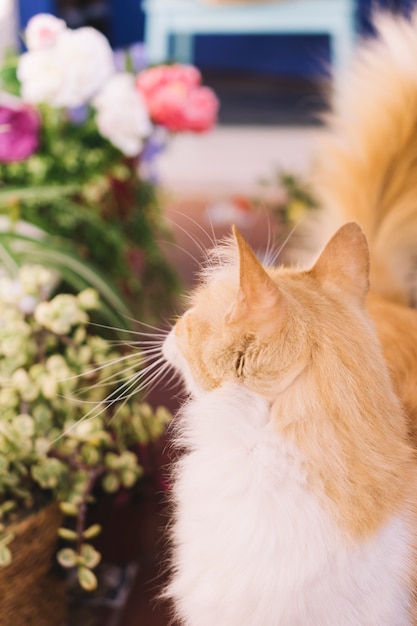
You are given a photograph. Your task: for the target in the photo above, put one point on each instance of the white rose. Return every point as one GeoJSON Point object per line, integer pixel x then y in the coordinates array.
{"type": "Point", "coordinates": [42, 31]}
{"type": "Point", "coordinates": [88, 58]}
{"type": "Point", "coordinates": [122, 116]}
{"type": "Point", "coordinates": [69, 73]}
{"type": "Point", "coordinates": [42, 77]}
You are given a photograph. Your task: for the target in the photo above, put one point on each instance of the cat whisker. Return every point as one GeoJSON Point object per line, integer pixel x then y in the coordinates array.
{"type": "Point", "coordinates": [286, 240]}
{"type": "Point", "coordinates": [109, 380]}
{"type": "Point", "coordinates": [137, 342]}
{"type": "Point", "coordinates": [122, 393]}
{"type": "Point", "coordinates": [157, 331]}
{"type": "Point", "coordinates": [202, 249]}
{"type": "Point", "coordinates": [103, 365]}
{"type": "Point", "coordinates": [212, 240]}
{"type": "Point", "coordinates": [184, 250]}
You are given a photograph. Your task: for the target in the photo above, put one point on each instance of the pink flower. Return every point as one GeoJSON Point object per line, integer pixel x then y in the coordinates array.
{"type": "Point", "coordinates": [19, 129]}
{"type": "Point", "coordinates": [43, 31]}
{"type": "Point", "coordinates": [176, 99]}
{"type": "Point", "coordinates": [150, 81]}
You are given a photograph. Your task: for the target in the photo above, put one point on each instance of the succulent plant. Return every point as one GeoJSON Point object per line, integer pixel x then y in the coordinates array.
{"type": "Point", "coordinates": [69, 420]}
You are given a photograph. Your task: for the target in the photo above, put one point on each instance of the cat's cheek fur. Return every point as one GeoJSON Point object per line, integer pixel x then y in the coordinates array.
{"type": "Point", "coordinates": [173, 356]}
{"type": "Point", "coordinates": [253, 546]}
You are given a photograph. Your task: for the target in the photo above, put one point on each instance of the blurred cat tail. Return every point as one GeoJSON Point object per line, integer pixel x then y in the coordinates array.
{"type": "Point", "coordinates": [365, 167]}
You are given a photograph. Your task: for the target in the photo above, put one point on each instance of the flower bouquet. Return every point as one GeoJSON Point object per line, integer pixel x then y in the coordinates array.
{"type": "Point", "coordinates": [77, 143]}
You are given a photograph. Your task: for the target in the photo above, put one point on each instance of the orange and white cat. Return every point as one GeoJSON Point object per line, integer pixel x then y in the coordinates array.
{"type": "Point", "coordinates": [296, 497]}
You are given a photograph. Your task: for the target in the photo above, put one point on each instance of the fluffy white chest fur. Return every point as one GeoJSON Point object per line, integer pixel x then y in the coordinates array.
{"type": "Point", "coordinates": [252, 544]}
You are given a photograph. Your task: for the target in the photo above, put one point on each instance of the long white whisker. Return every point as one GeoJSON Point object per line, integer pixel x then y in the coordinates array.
{"type": "Point", "coordinates": [286, 240]}
{"type": "Point", "coordinates": [144, 384]}
{"type": "Point", "coordinates": [149, 384]}
{"type": "Point", "coordinates": [138, 342]}
{"type": "Point", "coordinates": [104, 365]}
{"type": "Point", "coordinates": [184, 250]}
{"type": "Point", "coordinates": [202, 249]}
{"type": "Point", "coordinates": [157, 332]}
{"type": "Point", "coordinates": [212, 240]}
{"type": "Point", "coordinates": [111, 379]}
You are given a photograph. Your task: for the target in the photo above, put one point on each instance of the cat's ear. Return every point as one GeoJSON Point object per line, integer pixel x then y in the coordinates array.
{"type": "Point", "coordinates": [257, 292]}
{"type": "Point", "coordinates": [345, 261]}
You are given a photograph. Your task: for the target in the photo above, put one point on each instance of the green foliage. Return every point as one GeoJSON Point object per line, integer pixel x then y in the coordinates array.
{"type": "Point", "coordinates": [288, 196]}
{"type": "Point", "coordinates": [63, 430]}
{"type": "Point", "coordinates": [59, 255]}
{"type": "Point", "coordinates": [79, 188]}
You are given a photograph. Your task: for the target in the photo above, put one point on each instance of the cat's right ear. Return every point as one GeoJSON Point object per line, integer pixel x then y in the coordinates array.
{"type": "Point", "coordinates": [345, 262]}
{"type": "Point", "coordinates": [257, 293]}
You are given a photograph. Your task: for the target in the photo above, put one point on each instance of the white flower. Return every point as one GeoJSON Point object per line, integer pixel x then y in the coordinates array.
{"type": "Point", "coordinates": [42, 76]}
{"type": "Point", "coordinates": [88, 58]}
{"type": "Point", "coordinates": [69, 73]}
{"type": "Point", "coordinates": [122, 116]}
{"type": "Point", "coordinates": [42, 31]}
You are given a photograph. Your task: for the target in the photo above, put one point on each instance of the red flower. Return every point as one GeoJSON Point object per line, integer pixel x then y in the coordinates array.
{"type": "Point", "coordinates": [176, 99]}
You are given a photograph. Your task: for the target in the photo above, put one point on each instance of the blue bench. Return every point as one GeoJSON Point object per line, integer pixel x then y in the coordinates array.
{"type": "Point", "coordinates": [183, 19]}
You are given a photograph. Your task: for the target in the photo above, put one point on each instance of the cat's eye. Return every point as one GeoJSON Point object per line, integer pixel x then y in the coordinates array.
{"type": "Point", "coordinates": [240, 363]}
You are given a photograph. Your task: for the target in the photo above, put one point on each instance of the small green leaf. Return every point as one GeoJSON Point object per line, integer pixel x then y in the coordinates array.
{"type": "Point", "coordinates": [68, 508]}
{"type": "Point", "coordinates": [67, 557]}
{"type": "Point", "coordinates": [6, 507]}
{"type": "Point", "coordinates": [129, 477]}
{"type": "Point", "coordinates": [66, 533]}
{"type": "Point", "coordinates": [90, 555]}
{"type": "Point", "coordinates": [111, 483]}
{"type": "Point", "coordinates": [92, 531]}
{"type": "Point", "coordinates": [112, 460]}
{"type": "Point", "coordinates": [87, 579]}
{"type": "Point", "coordinates": [5, 556]}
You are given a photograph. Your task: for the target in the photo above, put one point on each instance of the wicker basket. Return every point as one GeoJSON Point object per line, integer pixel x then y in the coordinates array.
{"type": "Point", "coordinates": [31, 593]}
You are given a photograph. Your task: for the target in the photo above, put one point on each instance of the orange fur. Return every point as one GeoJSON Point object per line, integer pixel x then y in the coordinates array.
{"type": "Point", "coordinates": [337, 365]}
{"type": "Point", "coordinates": [311, 327]}
{"type": "Point", "coordinates": [366, 165]}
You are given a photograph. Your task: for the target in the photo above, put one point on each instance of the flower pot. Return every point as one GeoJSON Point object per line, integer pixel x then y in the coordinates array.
{"type": "Point", "coordinates": [31, 590]}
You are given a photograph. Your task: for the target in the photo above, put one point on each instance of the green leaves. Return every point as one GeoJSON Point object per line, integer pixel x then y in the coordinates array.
{"type": "Point", "coordinates": [48, 472]}
{"type": "Point", "coordinates": [87, 579]}
{"type": "Point", "coordinates": [62, 428]}
{"type": "Point", "coordinates": [89, 556]}
{"type": "Point", "coordinates": [66, 533]}
{"type": "Point", "coordinates": [87, 559]}
{"type": "Point", "coordinates": [92, 532]}
{"type": "Point", "coordinates": [47, 192]}
{"type": "Point", "coordinates": [67, 557]}
{"type": "Point", "coordinates": [68, 508]}
{"type": "Point", "coordinates": [60, 256]}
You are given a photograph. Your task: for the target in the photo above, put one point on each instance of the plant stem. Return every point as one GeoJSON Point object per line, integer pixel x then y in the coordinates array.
{"type": "Point", "coordinates": [93, 475]}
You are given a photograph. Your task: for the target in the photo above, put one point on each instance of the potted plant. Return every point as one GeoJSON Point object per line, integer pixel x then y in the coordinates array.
{"type": "Point", "coordinates": [70, 420]}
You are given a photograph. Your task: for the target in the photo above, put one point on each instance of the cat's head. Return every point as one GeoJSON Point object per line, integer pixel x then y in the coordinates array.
{"type": "Point", "coordinates": [261, 327]}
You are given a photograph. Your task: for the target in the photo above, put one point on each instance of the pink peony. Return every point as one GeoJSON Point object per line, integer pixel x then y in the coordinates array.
{"type": "Point", "coordinates": [176, 99]}
{"type": "Point", "coordinates": [19, 130]}
{"type": "Point", "coordinates": [151, 80]}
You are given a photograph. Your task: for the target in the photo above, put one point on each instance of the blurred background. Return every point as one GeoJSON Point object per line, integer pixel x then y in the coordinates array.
{"type": "Point", "coordinates": [251, 169]}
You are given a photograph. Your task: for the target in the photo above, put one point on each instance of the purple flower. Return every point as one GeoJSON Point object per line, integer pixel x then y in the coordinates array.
{"type": "Point", "coordinates": [19, 132]}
